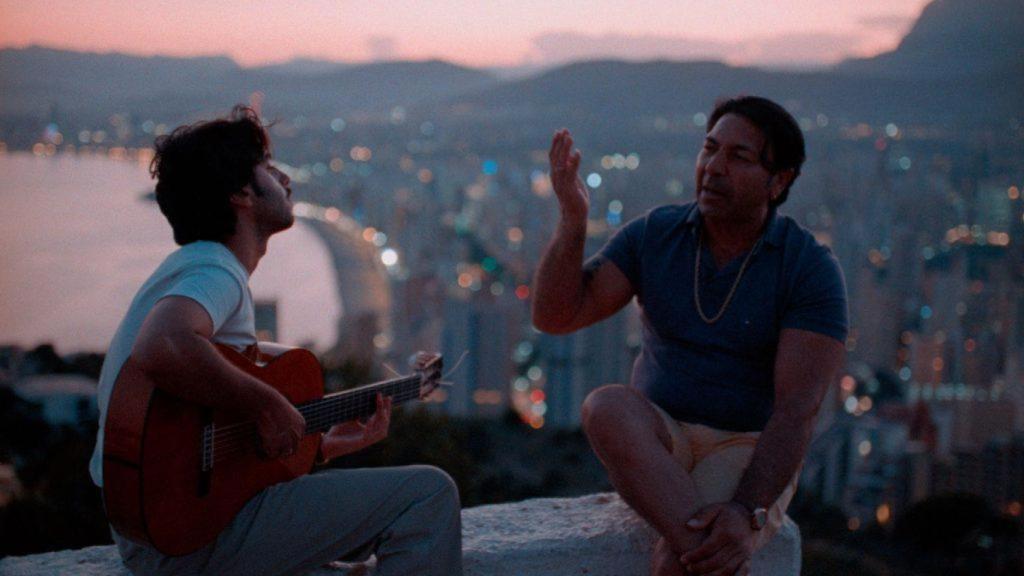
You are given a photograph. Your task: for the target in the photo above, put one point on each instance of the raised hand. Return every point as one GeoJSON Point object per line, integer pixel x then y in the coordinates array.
{"type": "Point", "coordinates": [349, 437]}
{"type": "Point", "coordinates": [573, 198]}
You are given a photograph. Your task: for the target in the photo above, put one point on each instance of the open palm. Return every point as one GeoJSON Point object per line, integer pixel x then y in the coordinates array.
{"type": "Point", "coordinates": [565, 164]}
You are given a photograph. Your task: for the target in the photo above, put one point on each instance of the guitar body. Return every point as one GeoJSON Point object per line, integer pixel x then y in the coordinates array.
{"type": "Point", "coordinates": [154, 487]}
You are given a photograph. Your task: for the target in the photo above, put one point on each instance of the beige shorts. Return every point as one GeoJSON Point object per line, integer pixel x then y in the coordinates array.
{"type": "Point", "coordinates": [716, 460]}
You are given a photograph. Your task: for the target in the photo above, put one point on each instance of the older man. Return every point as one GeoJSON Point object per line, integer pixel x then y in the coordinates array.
{"type": "Point", "coordinates": [744, 320]}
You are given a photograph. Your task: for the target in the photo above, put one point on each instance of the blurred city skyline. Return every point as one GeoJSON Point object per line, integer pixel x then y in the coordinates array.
{"type": "Point", "coordinates": [427, 185]}
{"type": "Point", "coordinates": [782, 33]}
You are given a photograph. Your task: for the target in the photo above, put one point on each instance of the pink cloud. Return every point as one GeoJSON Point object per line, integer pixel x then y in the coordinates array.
{"type": "Point", "coordinates": [790, 50]}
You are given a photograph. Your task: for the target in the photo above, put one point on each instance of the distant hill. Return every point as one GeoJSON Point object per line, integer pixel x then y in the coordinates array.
{"type": "Point", "coordinates": [955, 38]}
{"type": "Point", "coordinates": [610, 92]}
{"type": "Point", "coordinates": [961, 63]}
{"type": "Point", "coordinates": [38, 65]}
{"type": "Point", "coordinates": [38, 82]}
{"type": "Point", "coordinates": [303, 66]}
{"type": "Point", "coordinates": [368, 88]}
{"type": "Point", "coordinates": [35, 79]}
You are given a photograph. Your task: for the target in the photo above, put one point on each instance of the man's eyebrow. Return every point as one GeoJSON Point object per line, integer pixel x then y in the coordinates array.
{"type": "Point", "coordinates": [741, 147]}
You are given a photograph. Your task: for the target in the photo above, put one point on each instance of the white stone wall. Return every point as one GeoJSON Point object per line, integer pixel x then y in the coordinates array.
{"type": "Point", "coordinates": [595, 535]}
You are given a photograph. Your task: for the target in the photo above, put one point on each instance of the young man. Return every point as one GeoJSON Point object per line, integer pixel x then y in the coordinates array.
{"type": "Point", "coordinates": [224, 200]}
{"type": "Point", "coordinates": [744, 323]}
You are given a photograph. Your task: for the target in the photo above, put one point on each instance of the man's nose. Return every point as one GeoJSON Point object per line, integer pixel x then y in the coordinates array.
{"type": "Point", "coordinates": [716, 164]}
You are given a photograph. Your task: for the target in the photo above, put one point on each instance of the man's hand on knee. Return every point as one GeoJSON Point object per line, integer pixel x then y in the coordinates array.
{"type": "Point", "coordinates": [665, 561]}
{"type": "Point", "coordinates": [729, 545]}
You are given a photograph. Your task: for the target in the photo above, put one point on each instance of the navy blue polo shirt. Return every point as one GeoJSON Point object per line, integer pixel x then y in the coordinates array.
{"type": "Point", "coordinates": [722, 374]}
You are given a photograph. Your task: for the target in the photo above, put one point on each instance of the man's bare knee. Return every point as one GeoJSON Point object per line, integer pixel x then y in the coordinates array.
{"type": "Point", "coordinates": [602, 406]}
{"type": "Point", "coordinates": [614, 413]}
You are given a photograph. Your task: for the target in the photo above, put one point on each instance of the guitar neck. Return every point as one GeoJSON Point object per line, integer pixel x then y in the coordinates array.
{"type": "Point", "coordinates": [358, 402]}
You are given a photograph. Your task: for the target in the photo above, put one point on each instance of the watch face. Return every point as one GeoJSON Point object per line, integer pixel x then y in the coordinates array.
{"type": "Point", "coordinates": [758, 518]}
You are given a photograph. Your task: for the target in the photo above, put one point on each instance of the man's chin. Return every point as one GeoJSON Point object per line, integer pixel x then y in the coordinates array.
{"type": "Point", "coordinates": [285, 224]}
{"type": "Point", "coordinates": [710, 204]}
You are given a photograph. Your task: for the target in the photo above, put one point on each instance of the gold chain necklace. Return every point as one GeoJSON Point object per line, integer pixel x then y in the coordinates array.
{"type": "Point", "coordinates": [696, 279]}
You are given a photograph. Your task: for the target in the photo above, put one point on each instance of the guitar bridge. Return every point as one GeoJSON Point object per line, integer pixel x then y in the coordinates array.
{"type": "Point", "coordinates": [207, 456]}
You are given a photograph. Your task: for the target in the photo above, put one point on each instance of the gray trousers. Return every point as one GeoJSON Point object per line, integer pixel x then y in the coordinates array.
{"type": "Point", "coordinates": [408, 517]}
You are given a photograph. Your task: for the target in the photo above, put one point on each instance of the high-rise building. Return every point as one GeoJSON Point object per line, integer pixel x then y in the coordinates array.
{"type": "Point", "coordinates": [995, 472]}
{"type": "Point", "coordinates": [482, 331]}
{"type": "Point", "coordinates": [575, 364]}
{"type": "Point", "coordinates": [266, 320]}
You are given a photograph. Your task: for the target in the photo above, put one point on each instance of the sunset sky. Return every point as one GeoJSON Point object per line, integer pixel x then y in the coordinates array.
{"type": "Point", "coordinates": [790, 33]}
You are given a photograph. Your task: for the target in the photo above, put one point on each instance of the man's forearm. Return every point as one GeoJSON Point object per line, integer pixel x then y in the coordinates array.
{"type": "Point", "coordinates": [188, 366]}
{"type": "Point", "coordinates": [559, 284]}
{"type": "Point", "coordinates": [780, 450]}
{"type": "Point", "coordinates": [806, 363]}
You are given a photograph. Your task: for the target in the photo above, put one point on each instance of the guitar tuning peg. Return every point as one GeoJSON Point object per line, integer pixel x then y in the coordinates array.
{"type": "Point", "coordinates": [421, 360]}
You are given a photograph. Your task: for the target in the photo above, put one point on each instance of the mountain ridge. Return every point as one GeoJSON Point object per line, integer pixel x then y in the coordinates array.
{"type": "Point", "coordinates": [923, 78]}
{"type": "Point", "coordinates": [953, 38]}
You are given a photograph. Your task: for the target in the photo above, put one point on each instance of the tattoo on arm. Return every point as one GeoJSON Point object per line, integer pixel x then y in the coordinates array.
{"type": "Point", "coordinates": [590, 268]}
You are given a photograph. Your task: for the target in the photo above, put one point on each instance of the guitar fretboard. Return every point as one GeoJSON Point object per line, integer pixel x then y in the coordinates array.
{"type": "Point", "coordinates": [222, 442]}
{"type": "Point", "coordinates": [359, 402]}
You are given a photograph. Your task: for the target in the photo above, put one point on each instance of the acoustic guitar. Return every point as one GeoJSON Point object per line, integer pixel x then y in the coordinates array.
{"type": "Point", "coordinates": [175, 474]}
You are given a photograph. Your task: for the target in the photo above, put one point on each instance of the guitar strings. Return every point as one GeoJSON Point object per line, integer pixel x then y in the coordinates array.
{"type": "Point", "coordinates": [223, 450]}
{"type": "Point", "coordinates": [321, 416]}
{"type": "Point", "coordinates": [456, 367]}
{"type": "Point", "coordinates": [226, 453]}
{"type": "Point", "coordinates": [318, 416]}
{"type": "Point", "coordinates": [402, 380]}
{"type": "Point", "coordinates": [329, 402]}
{"type": "Point", "coordinates": [345, 395]}
{"type": "Point", "coordinates": [321, 413]}
{"type": "Point", "coordinates": [315, 418]}
{"type": "Point", "coordinates": [316, 408]}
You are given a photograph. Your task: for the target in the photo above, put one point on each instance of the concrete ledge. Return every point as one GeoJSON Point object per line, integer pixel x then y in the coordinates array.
{"type": "Point", "coordinates": [596, 535]}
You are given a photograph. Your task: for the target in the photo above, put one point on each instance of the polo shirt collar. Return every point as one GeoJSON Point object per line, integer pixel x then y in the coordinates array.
{"type": "Point", "coordinates": [774, 233]}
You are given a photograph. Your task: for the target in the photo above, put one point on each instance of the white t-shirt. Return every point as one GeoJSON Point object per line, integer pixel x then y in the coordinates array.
{"type": "Point", "coordinates": [206, 272]}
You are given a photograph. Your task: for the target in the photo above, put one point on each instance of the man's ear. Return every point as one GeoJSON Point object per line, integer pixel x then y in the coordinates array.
{"type": "Point", "coordinates": [778, 183]}
{"type": "Point", "coordinates": [244, 197]}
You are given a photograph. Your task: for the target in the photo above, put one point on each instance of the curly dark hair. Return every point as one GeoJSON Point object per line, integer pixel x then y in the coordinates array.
{"type": "Point", "coordinates": [199, 166]}
{"type": "Point", "coordinates": [784, 141]}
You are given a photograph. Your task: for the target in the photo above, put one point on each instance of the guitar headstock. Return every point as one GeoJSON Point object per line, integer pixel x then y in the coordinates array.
{"type": "Point", "coordinates": [428, 365]}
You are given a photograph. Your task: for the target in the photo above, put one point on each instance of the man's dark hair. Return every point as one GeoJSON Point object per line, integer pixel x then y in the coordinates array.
{"type": "Point", "coordinates": [784, 141]}
{"type": "Point", "coordinates": [199, 166]}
